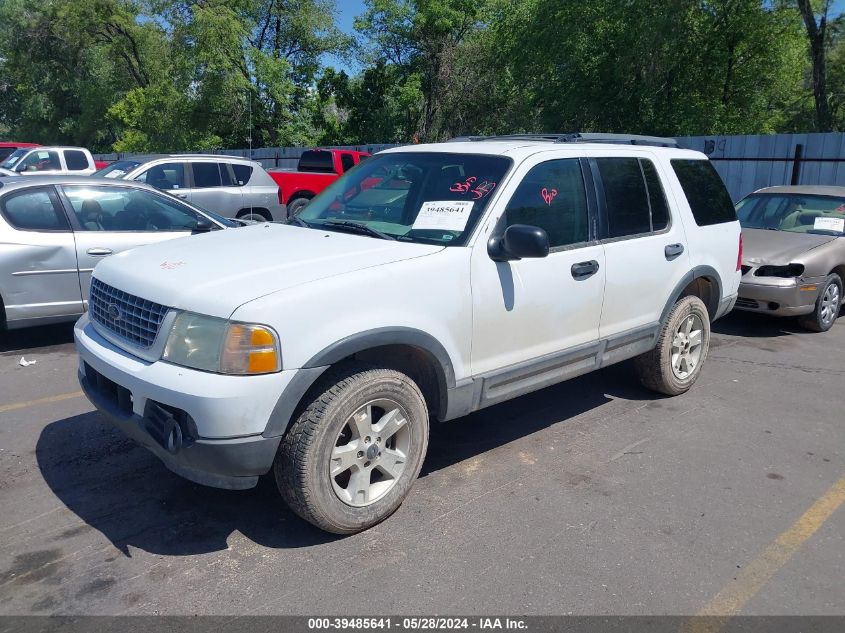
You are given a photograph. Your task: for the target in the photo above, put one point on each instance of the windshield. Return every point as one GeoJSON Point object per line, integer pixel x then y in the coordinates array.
{"type": "Point", "coordinates": [117, 169]}
{"type": "Point", "coordinates": [427, 197]}
{"type": "Point", "coordinates": [796, 213]}
{"type": "Point", "coordinates": [13, 158]}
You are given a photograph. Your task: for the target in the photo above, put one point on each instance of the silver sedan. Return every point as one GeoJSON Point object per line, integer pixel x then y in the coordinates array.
{"type": "Point", "coordinates": [54, 230]}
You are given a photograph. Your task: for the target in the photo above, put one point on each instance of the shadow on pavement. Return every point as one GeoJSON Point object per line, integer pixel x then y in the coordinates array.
{"type": "Point", "coordinates": [124, 492]}
{"type": "Point", "coordinates": [756, 325]}
{"type": "Point", "coordinates": [35, 337]}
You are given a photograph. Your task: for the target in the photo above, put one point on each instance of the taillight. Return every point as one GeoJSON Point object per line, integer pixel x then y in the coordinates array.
{"type": "Point", "coordinates": [739, 254]}
{"type": "Point", "coordinates": [281, 197]}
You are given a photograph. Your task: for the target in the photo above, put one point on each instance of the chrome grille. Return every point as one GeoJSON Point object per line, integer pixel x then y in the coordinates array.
{"type": "Point", "coordinates": [131, 318]}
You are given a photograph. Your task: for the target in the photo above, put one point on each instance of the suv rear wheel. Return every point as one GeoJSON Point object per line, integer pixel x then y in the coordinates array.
{"type": "Point", "coordinates": [354, 452]}
{"type": "Point", "coordinates": [675, 362]}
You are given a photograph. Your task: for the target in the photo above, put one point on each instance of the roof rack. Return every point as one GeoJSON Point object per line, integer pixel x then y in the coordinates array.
{"type": "Point", "coordinates": [579, 137]}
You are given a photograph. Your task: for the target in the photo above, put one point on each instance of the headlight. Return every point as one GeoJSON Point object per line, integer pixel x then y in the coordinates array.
{"type": "Point", "coordinates": [790, 270]}
{"type": "Point", "coordinates": [221, 346]}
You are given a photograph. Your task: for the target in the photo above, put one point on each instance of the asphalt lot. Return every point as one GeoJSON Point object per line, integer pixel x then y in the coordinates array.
{"type": "Point", "coordinates": [592, 497]}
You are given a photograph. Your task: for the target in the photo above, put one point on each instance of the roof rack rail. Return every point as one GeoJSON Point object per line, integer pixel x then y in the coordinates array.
{"type": "Point", "coordinates": [579, 137]}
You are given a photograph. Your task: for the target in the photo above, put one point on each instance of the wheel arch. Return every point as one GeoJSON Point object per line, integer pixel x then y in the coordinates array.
{"type": "Point", "coordinates": [837, 270]}
{"type": "Point", "coordinates": [411, 351]}
{"type": "Point", "coordinates": [703, 282]}
{"type": "Point", "coordinates": [260, 210]}
{"type": "Point", "coordinates": [301, 193]}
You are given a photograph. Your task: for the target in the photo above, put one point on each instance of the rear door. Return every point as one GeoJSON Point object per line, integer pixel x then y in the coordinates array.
{"type": "Point", "coordinates": [645, 250]}
{"type": "Point", "coordinates": [112, 219]}
{"type": "Point", "coordinates": [38, 276]}
{"type": "Point", "coordinates": [214, 187]}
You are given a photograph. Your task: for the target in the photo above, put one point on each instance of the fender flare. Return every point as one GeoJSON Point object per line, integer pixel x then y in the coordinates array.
{"type": "Point", "coordinates": [696, 273]}
{"type": "Point", "coordinates": [305, 377]}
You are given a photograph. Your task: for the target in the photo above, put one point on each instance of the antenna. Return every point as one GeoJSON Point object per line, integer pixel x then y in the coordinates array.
{"type": "Point", "coordinates": [249, 99]}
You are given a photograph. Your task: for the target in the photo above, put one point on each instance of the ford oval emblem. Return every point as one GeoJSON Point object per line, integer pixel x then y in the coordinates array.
{"type": "Point", "coordinates": [113, 311]}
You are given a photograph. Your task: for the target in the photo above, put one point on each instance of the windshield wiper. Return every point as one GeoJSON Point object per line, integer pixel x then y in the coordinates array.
{"type": "Point", "coordinates": [298, 222]}
{"type": "Point", "coordinates": [357, 227]}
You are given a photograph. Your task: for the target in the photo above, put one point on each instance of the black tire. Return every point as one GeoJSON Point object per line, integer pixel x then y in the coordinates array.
{"type": "Point", "coordinates": [655, 368]}
{"type": "Point", "coordinates": [303, 462]}
{"type": "Point", "coordinates": [296, 206]}
{"type": "Point", "coordinates": [821, 320]}
{"type": "Point", "coordinates": [255, 214]}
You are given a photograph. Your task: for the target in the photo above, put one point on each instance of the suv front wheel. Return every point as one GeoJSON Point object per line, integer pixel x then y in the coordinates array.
{"type": "Point", "coordinates": [675, 362]}
{"type": "Point", "coordinates": [352, 455]}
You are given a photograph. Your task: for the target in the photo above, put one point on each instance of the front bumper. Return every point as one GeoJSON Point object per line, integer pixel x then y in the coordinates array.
{"type": "Point", "coordinates": [778, 296]}
{"type": "Point", "coordinates": [204, 427]}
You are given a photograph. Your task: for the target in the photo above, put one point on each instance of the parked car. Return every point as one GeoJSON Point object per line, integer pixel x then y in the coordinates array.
{"type": "Point", "coordinates": [39, 161]}
{"type": "Point", "coordinates": [7, 147]}
{"type": "Point", "coordinates": [794, 258]}
{"type": "Point", "coordinates": [231, 186]}
{"type": "Point", "coordinates": [430, 282]}
{"type": "Point", "coordinates": [7, 173]}
{"type": "Point", "coordinates": [55, 229]}
{"type": "Point", "coordinates": [316, 170]}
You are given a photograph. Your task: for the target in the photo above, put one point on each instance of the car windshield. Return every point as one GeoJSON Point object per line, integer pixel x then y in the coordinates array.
{"type": "Point", "coordinates": [425, 197]}
{"type": "Point", "coordinates": [117, 169]}
{"type": "Point", "coordinates": [796, 213]}
{"type": "Point", "coordinates": [13, 158]}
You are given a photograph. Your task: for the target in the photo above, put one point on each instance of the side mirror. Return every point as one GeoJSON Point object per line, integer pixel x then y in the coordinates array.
{"type": "Point", "coordinates": [203, 225]}
{"type": "Point", "coordinates": [519, 241]}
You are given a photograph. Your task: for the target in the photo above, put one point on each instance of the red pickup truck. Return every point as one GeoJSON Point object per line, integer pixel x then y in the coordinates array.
{"type": "Point", "coordinates": [317, 169]}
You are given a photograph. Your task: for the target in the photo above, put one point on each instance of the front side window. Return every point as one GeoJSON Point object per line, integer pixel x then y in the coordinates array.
{"type": "Point", "coordinates": [128, 209]}
{"type": "Point", "coordinates": [76, 160]}
{"type": "Point", "coordinates": [34, 210]}
{"type": "Point", "coordinates": [552, 197]}
{"type": "Point", "coordinates": [796, 213]}
{"type": "Point", "coordinates": [40, 160]}
{"type": "Point", "coordinates": [428, 197]}
{"type": "Point", "coordinates": [166, 176]}
{"type": "Point", "coordinates": [705, 192]}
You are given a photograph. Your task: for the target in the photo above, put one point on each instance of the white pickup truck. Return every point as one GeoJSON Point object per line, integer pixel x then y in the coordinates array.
{"type": "Point", "coordinates": [426, 283]}
{"type": "Point", "coordinates": [35, 161]}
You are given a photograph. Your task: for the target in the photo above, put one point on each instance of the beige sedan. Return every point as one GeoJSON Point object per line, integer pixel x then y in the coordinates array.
{"type": "Point", "coordinates": [793, 260]}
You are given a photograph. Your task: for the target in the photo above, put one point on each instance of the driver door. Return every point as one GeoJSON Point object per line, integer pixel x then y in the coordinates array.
{"type": "Point", "coordinates": [111, 219]}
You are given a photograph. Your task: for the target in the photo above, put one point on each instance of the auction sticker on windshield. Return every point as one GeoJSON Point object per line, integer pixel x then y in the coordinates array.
{"type": "Point", "coordinates": [444, 215]}
{"type": "Point", "coordinates": [830, 224]}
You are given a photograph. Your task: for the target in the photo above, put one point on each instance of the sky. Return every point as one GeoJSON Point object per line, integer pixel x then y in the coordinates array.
{"type": "Point", "coordinates": [347, 11]}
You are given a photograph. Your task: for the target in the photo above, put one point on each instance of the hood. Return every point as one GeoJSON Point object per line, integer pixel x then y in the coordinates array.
{"type": "Point", "coordinates": [216, 272]}
{"type": "Point", "coordinates": [760, 246]}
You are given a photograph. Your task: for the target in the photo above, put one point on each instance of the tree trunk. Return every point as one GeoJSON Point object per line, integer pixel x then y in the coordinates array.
{"type": "Point", "coordinates": [816, 35]}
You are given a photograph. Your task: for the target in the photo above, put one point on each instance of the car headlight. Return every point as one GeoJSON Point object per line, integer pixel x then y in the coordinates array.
{"type": "Point", "coordinates": [790, 270]}
{"type": "Point", "coordinates": [222, 346]}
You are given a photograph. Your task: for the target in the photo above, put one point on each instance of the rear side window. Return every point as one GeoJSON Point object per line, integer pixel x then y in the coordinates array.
{"type": "Point", "coordinates": [316, 161]}
{"type": "Point", "coordinates": [347, 162]}
{"type": "Point", "coordinates": [206, 175]}
{"type": "Point", "coordinates": [705, 192]}
{"type": "Point", "coordinates": [552, 196]}
{"type": "Point", "coordinates": [76, 160]}
{"type": "Point", "coordinates": [34, 210]}
{"type": "Point", "coordinates": [242, 173]}
{"type": "Point", "coordinates": [656, 196]}
{"type": "Point", "coordinates": [626, 196]}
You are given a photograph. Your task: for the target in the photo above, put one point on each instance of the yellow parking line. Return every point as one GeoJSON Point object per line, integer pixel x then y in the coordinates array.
{"type": "Point", "coordinates": [4, 408]}
{"type": "Point", "coordinates": [757, 573]}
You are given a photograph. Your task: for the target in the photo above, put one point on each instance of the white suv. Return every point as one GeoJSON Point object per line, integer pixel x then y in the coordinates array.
{"type": "Point", "coordinates": [429, 282]}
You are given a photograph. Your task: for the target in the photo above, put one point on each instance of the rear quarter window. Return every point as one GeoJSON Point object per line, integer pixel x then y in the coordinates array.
{"type": "Point", "coordinates": [242, 173]}
{"type": "Point", "coordinates": [706, 193]}
{"type": "Point", "coordinates": [316, 161]}
{"type": "Point", "coordinates": [76, 160]}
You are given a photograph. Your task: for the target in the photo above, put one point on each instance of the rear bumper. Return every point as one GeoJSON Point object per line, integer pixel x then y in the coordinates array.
{"type": "Point", "coordinates": [779, 297]}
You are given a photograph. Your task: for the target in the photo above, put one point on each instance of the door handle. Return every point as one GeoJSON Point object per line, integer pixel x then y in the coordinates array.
{"type": "Point", "coordinates": [583, 270]}
{"type": "Point", "coordinates": [182, 196]}
{"type": "Point", "coordinates": [99, 251]}
{"type": "Point", "coordinates": [673, 251]}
